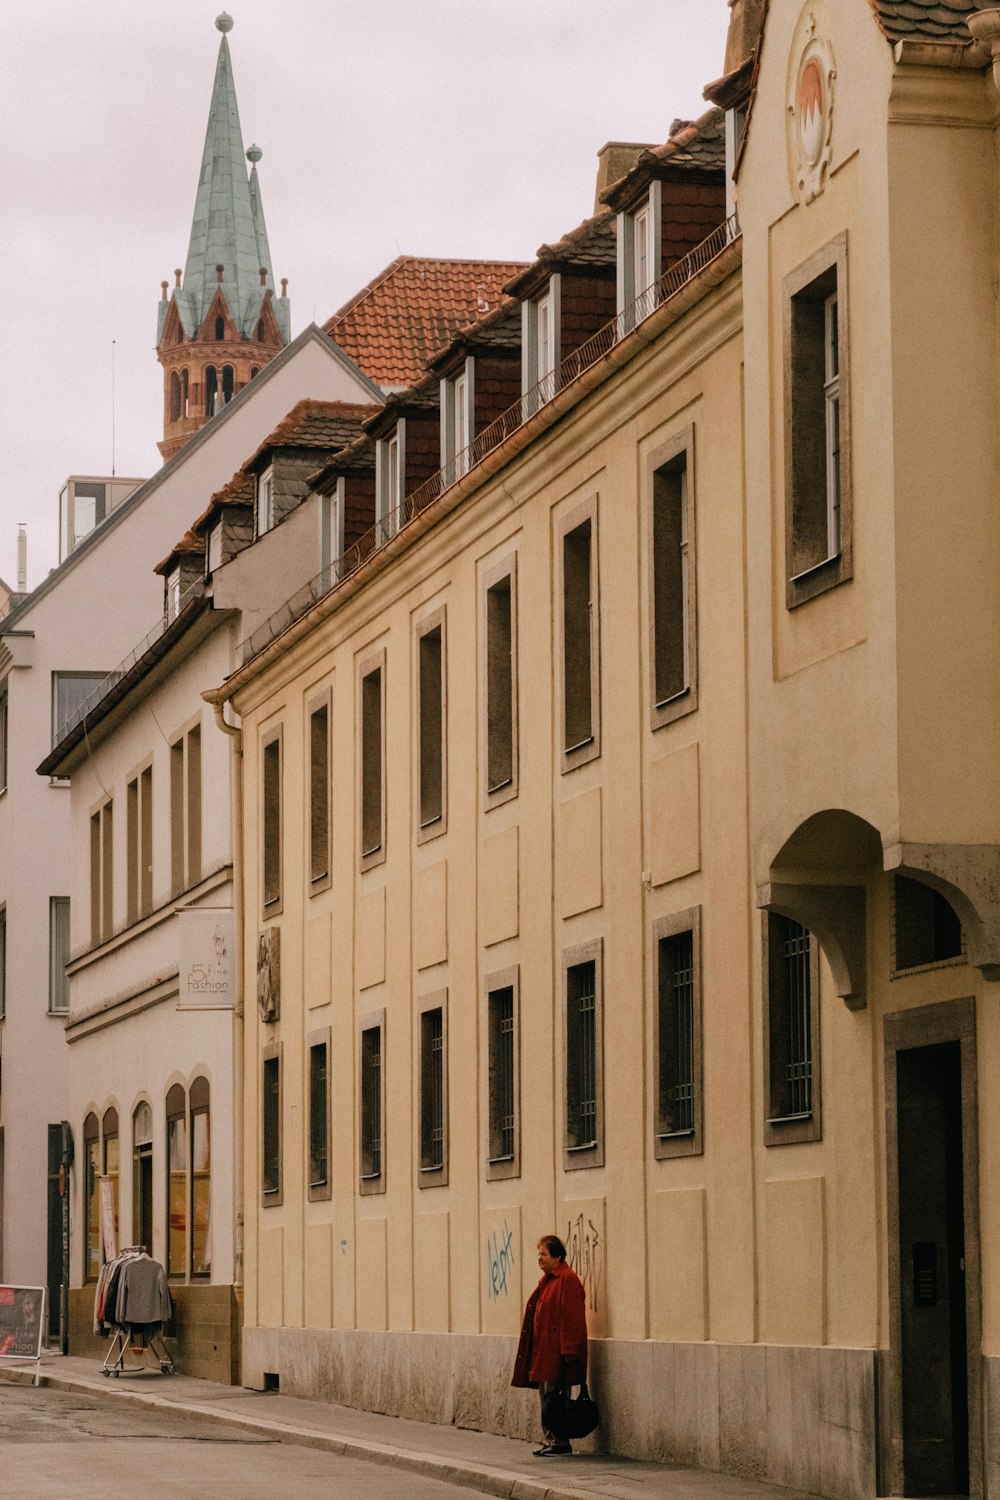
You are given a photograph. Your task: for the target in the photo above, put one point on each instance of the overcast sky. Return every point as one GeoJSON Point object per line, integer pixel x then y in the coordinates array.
{"type": "Point", "coordinates": [429, 127]}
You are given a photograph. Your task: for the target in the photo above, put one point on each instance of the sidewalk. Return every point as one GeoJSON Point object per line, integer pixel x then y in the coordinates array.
{"type": "Point", "coordinates": [477, 1460]}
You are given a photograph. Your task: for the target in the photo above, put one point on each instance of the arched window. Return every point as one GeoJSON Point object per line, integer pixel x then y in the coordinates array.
{"type": "Point", "coordinates": [211, 390]}
{"type": "Point", "coordinates": [142, 1176]}
{"type": "Point", "coordinates": [92, 1207]}
{"type": "Point", "coordinates": [201, 1179]}
{"type": "Point", "coordinates": [184, 393]}
{"type": "Point", "coordinates": [112, 1158]}
{"type": "Point", "coordinates": [227, 384]}
{"type": "Point", "coordinates": [176, 1180]}
{"type": "Point", "coordinates": [175, 396]}
{"type": "Point", "coordinates": [220, 328]}
{"type": "Point", "coordinates": [260, 331]}
{"type": "Point", "coordinates": [254, 370]}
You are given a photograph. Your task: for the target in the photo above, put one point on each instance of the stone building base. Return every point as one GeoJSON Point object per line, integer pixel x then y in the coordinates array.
{"type": "Point", "coordinates": [205, 1337]}
{"type": "Point", "coordinates": [802, 1417]}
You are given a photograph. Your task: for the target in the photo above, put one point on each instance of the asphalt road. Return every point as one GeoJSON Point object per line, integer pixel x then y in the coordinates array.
{"type": "Point", "coordinates": [60, 1446]}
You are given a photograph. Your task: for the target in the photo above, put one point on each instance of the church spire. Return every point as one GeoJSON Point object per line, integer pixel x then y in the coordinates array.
{"type": "Point", "coordinates": [222, 322]}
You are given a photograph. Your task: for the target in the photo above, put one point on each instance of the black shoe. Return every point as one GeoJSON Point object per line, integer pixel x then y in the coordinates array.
{"type": "Point", "coordinates": [553, 1450]}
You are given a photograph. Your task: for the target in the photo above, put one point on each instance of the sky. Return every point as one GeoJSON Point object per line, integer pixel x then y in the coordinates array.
{"type": "Point", "coordinates": [464, 128]}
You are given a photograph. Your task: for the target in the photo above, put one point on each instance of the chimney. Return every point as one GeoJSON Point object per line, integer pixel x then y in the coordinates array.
{"type": "Point", "coordinates": [614, 160]}
{"type": "Point", "coordinates": [22, 558]}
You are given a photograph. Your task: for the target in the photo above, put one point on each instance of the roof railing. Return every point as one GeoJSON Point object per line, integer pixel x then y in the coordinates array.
{"type": "Point", "coordinates": [194, 591]}
{"type": "Point", "coordinates": [491, 437]}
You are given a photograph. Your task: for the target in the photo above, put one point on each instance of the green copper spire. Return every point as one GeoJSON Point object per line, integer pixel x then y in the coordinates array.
{"type": "Point", "coordinates": [228, 227]}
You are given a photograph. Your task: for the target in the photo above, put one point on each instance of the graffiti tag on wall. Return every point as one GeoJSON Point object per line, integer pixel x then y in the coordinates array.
{"type": "Point", "coordinates": [585, 1254]}
{"type": "Point", "coordinates": [499, 1262]}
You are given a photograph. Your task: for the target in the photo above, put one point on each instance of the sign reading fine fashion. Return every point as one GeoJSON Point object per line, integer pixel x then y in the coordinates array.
{"type": "Point", "coordinates": [22, 1319]}
{"type": "Point", "coordinates": [269, 973]}
{"type": "Point", "coordinates": [205, 938]}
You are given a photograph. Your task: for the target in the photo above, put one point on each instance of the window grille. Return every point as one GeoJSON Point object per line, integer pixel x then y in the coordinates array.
{"type": "Point", "coordinates": [791, 1021]}
{"type": "Point", "coordinates": [371, 1102]}
{"type": "Point", "coordinates": [319, 794]}
{"type": "Point", "coordinates": [677, 1020]}
{"type": "Point", "coordinates": [271, 1163]}
{"type": "Point", "coordinates": [581, 1061]}
{"type": "Point", "coordinates": [432, 1091]}
{"type": "Point", "coordinates": [318, 1115]}
{"type": "Point", "coordinates": [272, 824]}
{"type": "Point", "coordinates": [501, 1068]}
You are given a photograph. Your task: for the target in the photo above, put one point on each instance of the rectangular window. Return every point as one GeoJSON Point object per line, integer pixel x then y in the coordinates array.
{"type": "Point", "coordinates": [792, 1036]}
{"type": "Point", "coordinates": [677, 1042]}
{"type": "Point", "coordinates": [580, 642]}
{"type": "Point", "coordinates": [4, 732]}
{"type": "Point", "coordinates": [372, 1084]}
{"type": "Point", "coordinates": [926, 928]}
{"type": "Point", "coordinates": [433, 1097]}
{"type": "Point", "coordinates": [139, 845]}
{"type": "Point", "coordinates": [457, 420]}
{"type": "Point", "coordinates": [319, 796]}
{"type": "Point", "coordinates": [172, 595]}
{"type": "Point", "coordinates": [672, 582]}
{"type": "Point", "coordinates": [431, 752]}
{"type": "Point", "coordinates": [265, 501]}
{"type": "Point", "coordinates": [213, 549]}
{"type": "Point", "coordinates": [331, 526]}
{"type": "Point", "coordinates": [3, 962]}
{"type": "Point", "coordinates": [271, 1126]}
{"type": "Point", "coordinates": [319, 1116]}
{"type": "Point", "coordinates": [70, 691]}
{"type": "Point", "coordinates": [390, 469]}
{"type": "Point", "coordinates": [639, 258]}
{"type": "Point", "coordinates": [271, 824]}
{"type": "Point", "coordinates": [500, 631]}
{"type": "Point", "coordinates": [185, 810]}
{"type": "Point", "coordinates": [584, 1126]}
{"type": "Point", "coordinates": [502, 1075]}
{"type": "Point", "coordinates": [540, 346]}
{"type": "Point", "coordinates": [817, 431]}
{"type": "Point", "coordinates": [58, 954]}
{"type": "Point", "coordinates": [372, 788]}
{"type": "Point", "coordinates": [101, 873]}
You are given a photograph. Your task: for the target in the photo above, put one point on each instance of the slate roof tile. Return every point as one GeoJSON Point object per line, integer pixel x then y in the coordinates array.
{"type": "Point", "coordinates": [931, 20]}
{"type": "Point", "coordinates": [693, 145]}
{"type": "Point", "coordinates": [412, 309]}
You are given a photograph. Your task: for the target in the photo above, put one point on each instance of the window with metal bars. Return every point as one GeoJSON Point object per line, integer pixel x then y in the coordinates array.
{"type": "Point", "coordinates": [271, 1128]}
{"type": "Point", "coordinates": [432, 1095]}
{"type": "Point", "coordinates": [431, 750]}
{"type": "Point", "coordinates": [580, 639]}
{"type": "Point", "coordinates": [500, 687]}
{"type": "Point", "coordinates": [582, 1123]}
{"type": "Point", "coordinates": [502, 1070]}
{"type": "Point", "coordinates": [793, 1030]}
{"type": "Point", "coordinates": [372, 787]}
{"type": "Point", "coordinates": [319, 1119]}
{"type": "Point", "coordinates": [271, 825]}
{"type": "Point", "coordinates": [676, 974]}
{"type": "Point", "coordinates": [371, 1106]}
{"type": "Point", "coordinates": [319, 796]}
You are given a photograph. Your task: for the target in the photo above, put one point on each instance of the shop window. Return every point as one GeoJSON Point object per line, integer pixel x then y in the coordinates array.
{"type": "Point", "coordinates": [201, 1178]}
{"type": "Point", "coordinates": [271, 1125]}
{"type": "Point", "coordinates": [111, 1153]}
{"type": "Point", "coordinates": [791, 1057]}
{"type": "Point", "coordinates": [319, 795]}
{"type": "Point", "coordinates": [817, 428]}
{"type": "Point", "coordinates": [319, 1116]}
{"type": "Point", "coordinates": [185, 810]}
{"type": "Point", "coordinates": [271, 824]}
{"type": "Point", "coordinates": [431, 752]}
{"type": "Point", "coordinates": [142, 1176]}
{"type": "Point", "coordinates": [372, 1096]}
{"type": "Point", "coordinates": [500, 650]}
{"type": "Point", "coordinates": [176, 1181]}
{"type": "Point", "coordinates": [102, 873]}
{"type": "Point", "coordinates": [372, 789]}
{"type": "Point", "coordinates": [583, 1058]}
{"type": "Point", "coordinates": [581, 715]}
{"type": "Point", "coordinates": [58, 955]}
{"type": "Point", "coordinates": [926, 928]}
{"type": "Point", "coordinates": [502, 1075]}
{"type": "Point", "coordinates": [139, 844]}
{"type": "Point", "coordinates": [91, 1198]}
{"type": "Point", "coordinates": [433, 1092]}
{"type": "Point", "coordinates": [672, 581]}
{"type": "Point", "coordinates": [677, 1042]}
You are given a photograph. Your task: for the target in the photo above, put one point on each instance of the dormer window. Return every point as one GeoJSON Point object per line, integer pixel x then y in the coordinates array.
{"type": "Point", "coordinates": [173, 594]}
{"type": "Point", "coordinates": [540, 354]}
{"type": "Point", "coordinates": [213, 549]}
{"type": "Point", "coordinates": [390, 467]}
{"type": "Point", "coordinates": [639, 258]}
{"type": "Point", "coordinates": [265, 501]}
{"type": "Point", "coordinates": [331, 526]}
{"type": "Point", "coordinates": [457, 420]}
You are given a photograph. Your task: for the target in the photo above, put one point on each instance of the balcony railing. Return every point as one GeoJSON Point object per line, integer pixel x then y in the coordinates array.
{"type": "Point", "coordinates": [525, 407]}
{"type": "Point", "coordinates": [81, 712]}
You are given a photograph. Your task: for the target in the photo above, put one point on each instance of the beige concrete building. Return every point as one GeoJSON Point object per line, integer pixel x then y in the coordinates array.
{"type": "Point", "coordinates": [619, 854]}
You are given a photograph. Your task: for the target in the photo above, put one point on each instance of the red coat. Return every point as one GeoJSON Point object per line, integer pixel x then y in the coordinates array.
{"type": "Point", "coordinates": [554, 1329]}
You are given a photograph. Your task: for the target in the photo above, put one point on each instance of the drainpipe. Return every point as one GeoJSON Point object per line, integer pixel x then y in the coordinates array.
{"type": "Point", "coordinates": [236, 735]}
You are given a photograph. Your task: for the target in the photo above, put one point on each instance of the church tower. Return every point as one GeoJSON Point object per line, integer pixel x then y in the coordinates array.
{"type": "Point", "coordinates": [221, 323]}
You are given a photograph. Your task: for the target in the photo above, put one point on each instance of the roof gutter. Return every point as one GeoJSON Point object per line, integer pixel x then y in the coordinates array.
{"type": "Point", "coordinates": [564, 400]}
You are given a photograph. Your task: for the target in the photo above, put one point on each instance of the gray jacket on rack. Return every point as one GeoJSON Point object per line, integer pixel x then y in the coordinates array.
{"type": "Point", "coordinates": [143, 1294]}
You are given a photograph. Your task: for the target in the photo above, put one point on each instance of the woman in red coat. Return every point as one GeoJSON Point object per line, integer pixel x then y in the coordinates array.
{"type": "Point", "coordinates": [552, 1352]}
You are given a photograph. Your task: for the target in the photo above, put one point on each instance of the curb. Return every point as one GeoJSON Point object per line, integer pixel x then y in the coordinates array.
{"type": "Point", "coordinates": [487, 1481]}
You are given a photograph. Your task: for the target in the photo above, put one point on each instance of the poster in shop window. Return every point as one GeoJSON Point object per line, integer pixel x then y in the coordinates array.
{"type": "Point", "coordinates": [206, 941]}
{"type": "Point", "coordinates": [22, 1320]}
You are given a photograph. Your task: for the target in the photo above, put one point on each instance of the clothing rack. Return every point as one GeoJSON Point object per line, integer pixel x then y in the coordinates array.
{"type": "Point", "coordinates": [132, 1301]}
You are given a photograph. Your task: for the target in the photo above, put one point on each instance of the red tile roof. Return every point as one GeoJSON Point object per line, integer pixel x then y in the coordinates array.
{"type": "Point", "coordinates": [412, 310]}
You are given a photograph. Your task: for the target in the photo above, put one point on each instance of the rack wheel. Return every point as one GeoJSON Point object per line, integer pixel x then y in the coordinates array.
{"type": "Point", "coordinates": [166, 1369]}
{"type": "Point", "coordinates": [105, 1372]}
{"type": "Point", "coordinates": [114, 1373]}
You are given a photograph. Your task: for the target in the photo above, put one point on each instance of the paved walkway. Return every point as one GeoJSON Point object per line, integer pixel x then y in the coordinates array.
{"type": "Point", "coordinates": [477, 1460]}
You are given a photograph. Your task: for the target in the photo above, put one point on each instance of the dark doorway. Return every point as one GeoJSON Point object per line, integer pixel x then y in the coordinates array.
{"type": "Point", "coordinates": [932, 1271]}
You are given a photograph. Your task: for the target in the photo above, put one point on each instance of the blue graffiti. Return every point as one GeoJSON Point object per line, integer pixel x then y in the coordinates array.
{"type": "Point", "coordinates": [499, 1262]}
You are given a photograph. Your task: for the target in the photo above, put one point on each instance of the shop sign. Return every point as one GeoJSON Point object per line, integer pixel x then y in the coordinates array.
{"type": "Point", "coordinates": [205, 937]}
{"type": "Point", "coordinates": [22, 1321]}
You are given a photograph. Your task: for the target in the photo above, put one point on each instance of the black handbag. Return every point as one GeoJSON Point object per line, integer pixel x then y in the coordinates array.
{"type": "Point", "coordinates": [566, 1418]}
